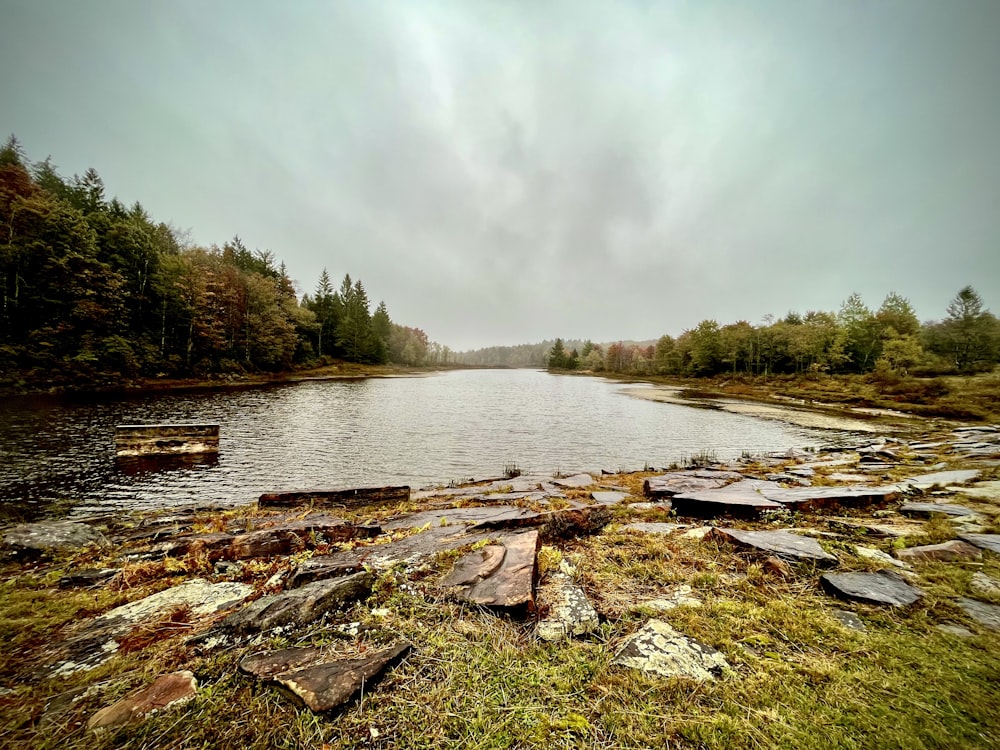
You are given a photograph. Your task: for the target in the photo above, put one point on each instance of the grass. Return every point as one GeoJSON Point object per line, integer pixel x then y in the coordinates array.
{"type": "Point", "coordinates": [476, 679]}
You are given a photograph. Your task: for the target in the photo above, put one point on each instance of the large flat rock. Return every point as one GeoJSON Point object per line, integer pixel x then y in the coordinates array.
{"type": "Point", "coordinates": [659, 649]}
{"type": "Point", "coordinates": [784, 544]}
{"type": "Point", "coordinates": [884, 587]}
{"type": "Point", "coordinates": [987, 615]}
{"type": "Point", "coordinates": [577, 481]}
{"type": "Point", "coordinates": [510, 584]}
{"type": "Point", "coordinates": [805, 498]}
{"type": "Point", "coordinates": [678, 482]}
{"type": "Point", "coordinates": [743, 498]}
{"type": "Point", "coordinates": [51, 536]}
{"type": "Point", "coordinates": [299, 606]}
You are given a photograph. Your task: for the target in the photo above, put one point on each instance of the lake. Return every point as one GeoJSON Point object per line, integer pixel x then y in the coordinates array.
{"type": "Point", "coordinates": [57, 455]}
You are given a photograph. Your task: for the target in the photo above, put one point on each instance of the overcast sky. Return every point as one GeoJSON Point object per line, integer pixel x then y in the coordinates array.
{"type": "Point", "coordinates": [508, 172]}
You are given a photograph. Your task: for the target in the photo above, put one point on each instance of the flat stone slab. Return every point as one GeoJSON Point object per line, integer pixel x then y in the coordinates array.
{"type": "Point", "coordinates": [785, 545]}
{"type": "Point", "coordinates": [805, 498]}
{"type": "Point", "coordinates": [987, 615]}
{"type": "Point", "coordinates": [943, 478]}
{"type": "Point", "coordinates": [654, 528]}
{"type": "Point", "coordinates": [605, 497]}
{"type": "Point", "coordinates": [989, 542]}
{"type": "Point", "coordinates": [325, 685]}
{"type": "Point", "coordinates": [953, 551]}
{"type": "Point", "coordinates": [570, 612]}
{"type": "Point", "coordinates": [848, 620]}
{"type": "Point", "coordinates": [678, 482]}
{"type": "Point", "coordinates": [168, 690]}
{"type": "Point", "coordinates": [980, 491]}
{"type": "Point", "coordinates": [198, 595]}
{"type": "Point", "coordinates": [740, 498]}
{"type": "Point", "coordinates": [883, 587]}
{"type": "Point", "coordinates": [509, 585]}
{"type": "Point", "coordinates": [350, 498]}
{"type": "Point", "coordinates": [879, 556]}
{"type": "Point", "coordinates": [577, 481]}
{"type": "Point", "coordinates": [852, 478]}
{"type": "Point", "coordinates": [925, 510]}
{"type": "Point", "coordinates": [299, 606]}
{"type": "Point", "coordinates": [49, 536]}
{"type": "Point", "coordinates": [659, 649]}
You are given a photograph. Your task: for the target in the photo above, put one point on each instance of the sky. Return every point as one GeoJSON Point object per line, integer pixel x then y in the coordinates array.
{"type": "Point", "coordinates": [508, 172]}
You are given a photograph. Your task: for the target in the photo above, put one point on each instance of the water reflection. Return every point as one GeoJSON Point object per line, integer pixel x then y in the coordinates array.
{"type": "Point", "coordinates": [136, 465]}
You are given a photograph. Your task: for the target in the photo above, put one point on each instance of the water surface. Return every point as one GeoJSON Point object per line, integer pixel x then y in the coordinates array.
{"type": "Point", "coordinates": [58, 455]}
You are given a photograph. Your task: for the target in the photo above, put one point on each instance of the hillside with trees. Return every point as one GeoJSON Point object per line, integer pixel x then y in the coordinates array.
{"type": "Point", "coordinates": [855, 340]}
{"type": "Point", "coordinates": [98, 293]}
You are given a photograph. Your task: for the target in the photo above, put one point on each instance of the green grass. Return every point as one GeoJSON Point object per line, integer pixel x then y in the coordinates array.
{"type": "Point", "coordinates": [799, 679]}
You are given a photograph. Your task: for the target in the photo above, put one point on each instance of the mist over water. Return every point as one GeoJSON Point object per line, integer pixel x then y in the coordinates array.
{"type": "Point", "coordinates": [59, 455]}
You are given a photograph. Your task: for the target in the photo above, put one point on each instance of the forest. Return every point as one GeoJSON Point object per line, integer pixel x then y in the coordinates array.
{"type": "Point", "coordinates": [856, 339]}
{"type": "Point", "coordinates": [97, 293]}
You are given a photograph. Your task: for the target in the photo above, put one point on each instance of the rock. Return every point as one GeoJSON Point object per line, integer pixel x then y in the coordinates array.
{"type": "Point", "coordinates": [698, 533]}
{"type": "Point", "coordinates": [989, 542]}
{"type": "Point", "coordinates": [270, 664]}
{"type": "Point", "coordinates": [570, 612]}
{"type": "Point", "coordinates": [292, 537]}
{"type": "Point", "coordinates": [953, 551]}
{"type": "Point", "coordinates": [653, 528]}
{"type": "Point", "coordinates": [475, 566]}
{"type": "Point", "coordinates": [168, 690]}
{"type": "Point", "coordinates": [52, 536]}
{"type": "Point", "coordinates": [742, 498]}
{"type": "Point", "coordinates": [677, 482]}
{"type": "Point", "coordinates": [942, 478]}
{"type": "Point", "coordinates": [880, 557]}
{"type": "Point", "coordinates": [987, 615]}
{"type": "Point", "coordinates": [781, 543]}
{"type": "Point", "coordinates": [984, 585]}
{"type": "Point", "coordinates": [323, 687]}
{"type": "Point", "coordinates": [954, 629]}
{"type": "Point", "coordinates": [352, 498]}
{"type": "Point", "coordinates": [511, 585]}
{"type": "Point", "coordinates": [659, 649]}
{"type": "Point", "coordinates": [853, 478]}
{"type": "Point", "coordinates": [848, 620]}
{"type": "Point", "coordinates": [805, 498]}
{"type": "Point", "coordinates": [925, 510]}
{"type": "Point", "coordinates": [682, 596]}
{"type": "Point", "coordinates": [989, 491]}
{"type": "Point", "coordinates": [577, 481]}
{"type": "Point", "coordinates": [608, 498]}
{"type": "Point", "coordinates": [214, 545]}
{"type": "Point", "coordinates": [299, 606]}
{"type": "Point", "coordinates": [574, 522]}
{"type": "Point", "coordinates": [200, 596]}
{"type": "Point", "coordinates": [883, 587]}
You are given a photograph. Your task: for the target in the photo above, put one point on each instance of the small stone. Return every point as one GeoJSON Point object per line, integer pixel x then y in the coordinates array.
{"type": "Point", "coordinates": [929, 509]}
{"type": "Point", "coordinates": [168, 690]}
{"type": "Point", "coordinates": [659, 649]}
{"type": "Point", "coordinates": [883, 587]}
{"type": "Point", "coordinates": [777, 567]}
{"type": "Point", "coordinates": [51, 536]}
{"type": "Point", "coordinates": [608, 498]}
{"type": "Point", "coordinates": [683, 596]}
{"type": "Point", "coordinates": [880, 557]}
{"type": "Point", "coordinates": [953, 551]}
{"type": "Point", "coordinates": [987, 615]}
{"type": "Point", "coordinates": [574, 482]}
{"type": "Point", "coordinates": [954, 629]}
{"type": "Point", "coordinates": [570, 611]}
{"type": "Point", "coordinates": [984, 585]}
{"type": "Point", "coordinates": [849, 620]}
{"type": "Point", "coordinates": [653, 528]}
{"type": "Point", "coordinates": [698, 533]}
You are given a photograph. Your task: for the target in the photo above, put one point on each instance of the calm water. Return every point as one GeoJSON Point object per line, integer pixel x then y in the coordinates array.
{"type": "Point", "coordinates": [416, 431]}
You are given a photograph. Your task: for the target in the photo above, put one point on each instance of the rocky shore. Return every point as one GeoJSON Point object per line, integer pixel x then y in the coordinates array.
{"type": "Point", "coordinates": [321, 600]}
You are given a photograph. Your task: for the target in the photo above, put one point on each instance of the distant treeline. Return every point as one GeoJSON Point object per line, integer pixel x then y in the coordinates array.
{"type": "Point", "coordinates": [95, 292]}
{"type": "Point", "coordinates": [854, 340]}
